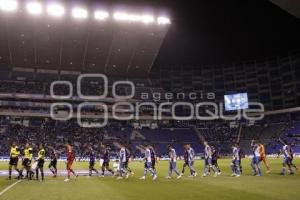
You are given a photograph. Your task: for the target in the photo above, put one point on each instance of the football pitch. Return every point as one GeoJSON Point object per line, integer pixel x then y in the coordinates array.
{"type": "Point", "coordinates": [269, 186]}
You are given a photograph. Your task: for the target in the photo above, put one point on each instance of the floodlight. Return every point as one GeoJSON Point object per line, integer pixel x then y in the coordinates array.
{"type": "Point", "coordinates": [163, 20]}
{"type": "Point", "coordinates": [134, 18]}
{"type": "Point", "coordinates": [121, 16]}
{"type": "Point", "coordinates": [56, 10]}
{"type": "Point", "coordinates": [101, 15]}
{"type": "Point", "coordinates": [34, 8]}
{"type": "Point", "coordinates": [8, 5]}
{"type": "Point", "coordinates": [147, 19]}
{"type": "Point", "coordinates": [79, 13]}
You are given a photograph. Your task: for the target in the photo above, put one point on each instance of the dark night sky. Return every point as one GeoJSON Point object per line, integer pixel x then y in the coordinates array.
{"type": "Point", "coordinates": [217, 31]}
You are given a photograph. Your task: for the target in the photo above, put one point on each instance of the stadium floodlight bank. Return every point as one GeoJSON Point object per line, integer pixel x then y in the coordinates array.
{"type": "Point", "coordinates": [56, 9]}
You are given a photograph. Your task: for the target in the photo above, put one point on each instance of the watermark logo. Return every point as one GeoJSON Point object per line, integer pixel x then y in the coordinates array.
{"type": "Point", "coordinates": [121, 108]}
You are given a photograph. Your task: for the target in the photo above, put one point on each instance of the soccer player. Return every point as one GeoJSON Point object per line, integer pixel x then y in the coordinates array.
{"type": "Point", "coordinates": [106, 160]}
{"type": "Point", "coordinates": [92, 156]}
{"type": "Point", "coordinates": [255, 164]}
{"type": "Point", "coordinates": [53, 162]}
{"type": "Point", "coordinates": [189, 155]}
{"type": "Point", "coordinates": [123, 163]}
{"type": "Point", "coordinates": [263, 156]}
{"type": "Point", "coordinates": [70, 160]}
{"type": "Point", "coordinates": [172, 163]}
{"type": "Point", "coordinates": [286, 159]}
{"type": "Point", "coordinates": [214, 159]}
{"type": "Point", "coordinates": [235, 165]}
{"type": "Point", "coordinates": [148, 164]}
{"type": "Point", "coordinates": [208, 160]}
{"type": "Point", "coordinates": [13, 160]}
{"type": "Point", "coordinates": [41, 161]}
{"type": "Point", "coordinates": [128, 156]}
{"type": "Point", "coordinates": [292, 158]}
{"type": "Point", "coordinates": [26, 164]}
{"type": "Point", "coordinates": [240, 156]}
{"type": "Point", "coordinates": [153, 157]}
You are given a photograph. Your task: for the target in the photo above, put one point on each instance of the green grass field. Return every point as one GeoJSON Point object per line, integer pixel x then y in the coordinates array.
{"type": "Point", "coordinates": [269, 186]}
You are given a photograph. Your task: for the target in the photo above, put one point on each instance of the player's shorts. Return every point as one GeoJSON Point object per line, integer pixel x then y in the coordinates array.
{"type": "Point", "coordinates": [256, 160]}
{"type": "Point", "coordinates": [53, 163]}
{"type": "Point", "coordinates": [126, 164]}
{"type": "Point", "coordinates": [26, 162]}
{"type": "Point", "coordinates": [13, 161]}
{"type": "Point", "coordinates": [236, 162]}
{"type": "Point", "coordinates": [148, 165]}
{"type": "Point", "coordinates": [263, 158]}
{"type": "Point", "coordinates": [41, 163]}
{"type": "Point", "coordinates": [191, 163]}
{"type": "Point", "coordinates": [172, 165]}
{"type": "Point", "coordinates": [207, 161]}
{"type": "Point", "coordinates": [292, 158]}
{"type": "Point", "coordinates": [123, 165]}
{"type": "Point", "coordinates": [69, 163]}
{"type": "Point", "coordinates": [105, 164]}
{"type": "Point", "coordinates": [153, 162]}
{"type": "Point", "coordinates": [92, 164]}
{"type": "Point", "coordinates": [286, 160]}
{"type": "Point", "coordinates": [214, 162]}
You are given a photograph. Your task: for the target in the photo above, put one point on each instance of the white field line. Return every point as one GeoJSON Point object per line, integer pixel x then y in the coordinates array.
{"type": "Point", "coordinates": [9, 187]}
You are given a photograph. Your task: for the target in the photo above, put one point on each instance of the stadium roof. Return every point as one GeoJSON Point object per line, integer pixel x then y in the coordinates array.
{"type": "Point", "coordinates": [75, 38]}
{"type": "Point", "coordinates": [202, 32]}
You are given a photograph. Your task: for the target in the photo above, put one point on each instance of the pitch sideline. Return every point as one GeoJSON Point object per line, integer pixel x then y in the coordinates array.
{"type": "Point", "coordinates": [9, 187]}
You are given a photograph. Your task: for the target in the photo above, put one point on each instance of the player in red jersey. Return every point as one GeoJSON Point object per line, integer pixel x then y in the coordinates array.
{"type": "Point", "coordinates": [70, 160]}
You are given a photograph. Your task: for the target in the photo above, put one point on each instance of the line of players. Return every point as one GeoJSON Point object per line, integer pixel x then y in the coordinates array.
{"type": "Point", "coordinates": [122, 169]}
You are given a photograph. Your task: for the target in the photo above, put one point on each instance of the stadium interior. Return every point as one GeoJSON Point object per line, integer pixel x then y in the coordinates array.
{"type": "Point", "coordinates": [46, 48]}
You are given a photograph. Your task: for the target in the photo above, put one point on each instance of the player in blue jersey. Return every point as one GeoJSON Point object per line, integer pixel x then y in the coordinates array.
{"type": "Point", "coordinates": [235, 165]}
{"type": "Point", "coordinates": [172, 163]}
{"type": "Point", "coordinates": [123, 163]}
{"type": "Point", "coordinates": [189, 156]}
{"type": "Point", "coordinates": [286, 158]}
{"type": "Point", "coordinates": [106, 159]}
{"type": "Point", "coordinates": [255, 164]}
{"type": "Point", "coordinates": [92, 160]}
{"type": "Point", "coordinates": [148, 164]}
{"type": "Point", "coordinates": [208, 160]}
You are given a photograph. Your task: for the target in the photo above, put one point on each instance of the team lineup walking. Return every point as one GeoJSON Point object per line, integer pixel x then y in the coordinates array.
{"type": "Point", "coordinates": [34, 165]}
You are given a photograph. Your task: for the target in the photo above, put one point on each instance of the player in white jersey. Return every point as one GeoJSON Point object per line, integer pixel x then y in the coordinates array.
{"type": "Point", "coordinates": [208, 160]}
{"type": "Point", "coordinates": [172, 163]}
{"type": "Point", "coordinates": [123, 159]}
{"type": "Point", "coordinates": [189, 156]}
{"type": "Point", "coordinates": [148, 164]}
{"type": "Point", "coordinates": [286, 159]}
{"type": "Point", "coordinates": [235, 165]}
{"type": "Point", "coordinates": [255, 164]}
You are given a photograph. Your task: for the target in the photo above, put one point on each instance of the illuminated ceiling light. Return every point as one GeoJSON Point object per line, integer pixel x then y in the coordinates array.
{"type": "Point", "coordinates": [79, 13]}
{"type": "Point", "coordinates": [101, 15]}
{"type": "Point", "coordinates": [8, 5]}
{"type": "Point", "coordinates": [56, 10]}
{"type": "Point", "coordinates": [133, 17]}
{"type": "Point", "coordinates": [163, 20]}
{"type": "Point", "coordinates": [147, 19]}
{"type": "Point", "coordinates": [34, 8]}
{"type": "Point", "coordinates": [121, 16]}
